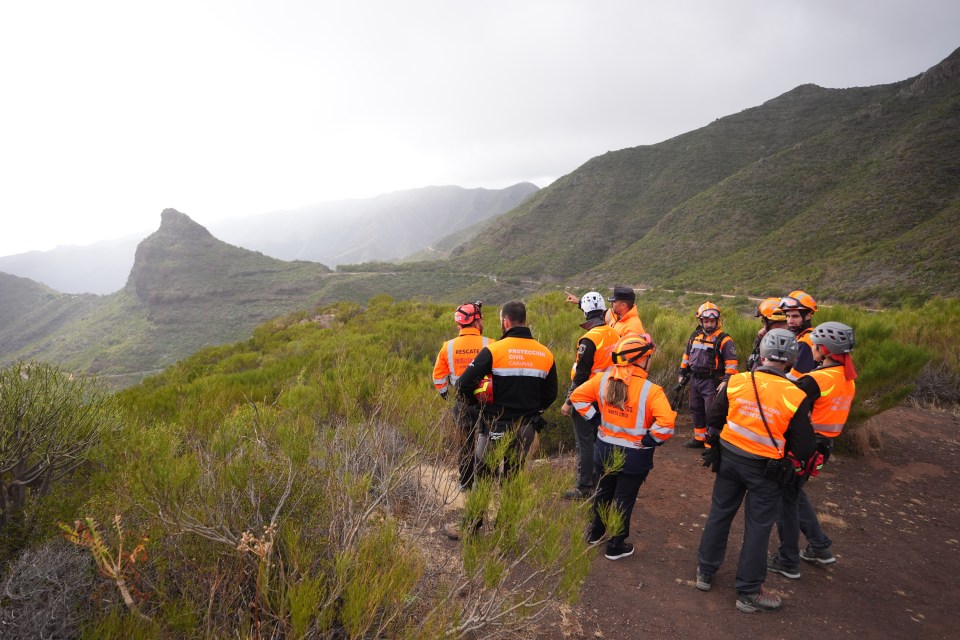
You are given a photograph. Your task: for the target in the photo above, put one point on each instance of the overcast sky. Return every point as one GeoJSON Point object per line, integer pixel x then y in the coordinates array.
{"type": "Point", "coordinates": [112, 111]}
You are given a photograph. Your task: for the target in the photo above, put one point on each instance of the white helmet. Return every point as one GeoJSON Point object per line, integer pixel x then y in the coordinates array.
{"type": "Point", "coordinates": [592, 301]}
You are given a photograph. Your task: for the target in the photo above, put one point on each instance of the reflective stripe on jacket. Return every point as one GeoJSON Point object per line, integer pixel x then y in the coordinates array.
{"type": "Point", "coordinates": [605, 338]}
{"type": "Point", "coordinates": [647, 410]}
{"type": "Point", "coordinates": [779, 398]}
{"type": "Point", "coordinates": [455, 355]}
{"type": "Point", "coordinates": [832, 408]}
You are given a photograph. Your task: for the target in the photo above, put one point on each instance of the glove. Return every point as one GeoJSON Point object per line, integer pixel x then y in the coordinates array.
{"type": "Point", "coordinates": [678, 388]}
{"type": "Point", "coordinates": [443, 394]}
{"type": "Point", "coordinates": [711, 455]}
{"type": "Point", "coordinates": [648, 441]}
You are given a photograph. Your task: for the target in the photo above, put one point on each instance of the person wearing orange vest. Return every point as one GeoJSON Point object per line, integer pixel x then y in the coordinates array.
{"type": "Point", "coordinates": [622, 315]}
{"type": "Point", "coordinates": [710, 358]}
{"type": "Point", "coordinates": [452, 360]}
{"type": "Point", "coordinates": [524, 378]}
{"type": "Point", "coordinates": [633, 418]}
{"type": "Point", "coordinates": [772, 317]}
{"type": "Point", "coordinates": [760, 417]}
{"type": "Point", "coordinates": [799, 308]}
{"type": "Point", "coordinates": [594, 353]}
{"type": "Point", "coordinates": [831, 387]}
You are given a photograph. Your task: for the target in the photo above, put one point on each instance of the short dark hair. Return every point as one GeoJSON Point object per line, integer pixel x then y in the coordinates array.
{"type": "Point", "coordinates": [515, 311]}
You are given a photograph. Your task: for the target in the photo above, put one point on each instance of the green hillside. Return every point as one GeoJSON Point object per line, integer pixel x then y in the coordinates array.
{"type": "Point", "coordinates": [751, 202]}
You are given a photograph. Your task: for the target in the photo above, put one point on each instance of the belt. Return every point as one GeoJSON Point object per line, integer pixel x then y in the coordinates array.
{"type": "Point", "coordinates": [705, 375]}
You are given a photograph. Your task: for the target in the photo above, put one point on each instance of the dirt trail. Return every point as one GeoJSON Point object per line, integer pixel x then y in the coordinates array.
{"type": "Point", "coordinates": [894, 516]}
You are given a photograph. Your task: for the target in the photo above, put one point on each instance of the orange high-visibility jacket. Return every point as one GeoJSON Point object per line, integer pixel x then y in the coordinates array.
{"type": "Point", "coordinates": [647, 410]}
{"type": "Point", "coordinates": [779, 398]}
{"type": "Point", "coordinates": [628, 325]}
{"type": "Point", "coordinates": [604, 338]}
{"type": "Point", "coordinates": [803, 338]}
{"type": "Point", "coordinates": [455, 355]}
{"type": "Point", "coordinates": [832, 408]}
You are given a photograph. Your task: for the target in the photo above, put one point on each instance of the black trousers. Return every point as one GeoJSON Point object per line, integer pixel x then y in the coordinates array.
{"type": "Point", "coordinates": [585, 434]}
{"type": "Point", "coordinates": [466, 418]}
{"type": "Point", "coordinates": [620, 488]}
{"type": "Point", "coordinates": [740, 478]}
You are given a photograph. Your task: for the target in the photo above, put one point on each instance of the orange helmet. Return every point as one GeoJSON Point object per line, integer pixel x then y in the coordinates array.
{"type": "Point", "coordinates": [770, 309]}
{"type": "Point", "coordinates": [467, 313]}
{"type": "Point", "coordinates": [632, 348]}
{"type": "Point", "coordinates": [800, 301]}
{"type": "Point", "coordinates": [708, 310]}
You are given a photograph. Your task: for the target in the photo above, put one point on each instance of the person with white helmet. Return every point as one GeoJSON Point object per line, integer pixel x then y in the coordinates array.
{"type": "Point", "coordinates": [710, 358]}
{"type": "Point", "coordinates": [760, 417]}
{"type": "Point", "coordinates": [594, 349]}
{"type": "Point", "coordinates": [831, 387]}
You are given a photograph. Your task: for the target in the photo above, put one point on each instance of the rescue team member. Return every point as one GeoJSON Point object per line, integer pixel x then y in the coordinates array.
{"type": "Point", "coordinates": [451, 362]}
{"type": "Point", "coordinates": [831, 387]}
{"type": "Point", "coordinates": [594, 351]}
{"type": "Point", "coordinates": [622, 315]}
{"type": "Point", "coordinates": [710, 358]}
{"type": "Point", "coordinates": [766, 414]}
{"type": "Point", "coordinates": [634, 417]}
{"type": "Point", "coordinates": [799, 308]}
{"type": "Point", "coordinates": [524, 386]}
{"type": "Point", "coordinates": [771, 317]}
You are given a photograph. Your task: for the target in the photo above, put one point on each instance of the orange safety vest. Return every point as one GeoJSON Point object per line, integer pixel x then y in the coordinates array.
{"type": "Point", "coordinates": [804, 337]}
{"type": "Point", "coordinates": [513, 357]}
{"type": "Point", "coordinates": [627, 325]}
{"type": "Point", "coordinates": [455, 356]}
{"type": "Point", "coordinates": [605, 339]}
{"type": "Point", "coordinates": [832, 408]}
{"type": "Point", "coordinates": [647, 410]}
{"type": "Point", "coordinates": [779, 398]}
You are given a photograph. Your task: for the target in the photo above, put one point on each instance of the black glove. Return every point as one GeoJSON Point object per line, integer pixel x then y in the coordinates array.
{"type": "Point", "coordinates": [678, 388]}
{"type": "Point", "coordinates": [443, 394]}
{"type": "Point", "coordinates": [711, 455]}
{"type": "Point", "coordinates": [648, 441]}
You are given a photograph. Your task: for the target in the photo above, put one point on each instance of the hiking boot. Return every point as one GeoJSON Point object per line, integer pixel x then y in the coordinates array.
{"type": "Point", "coordinates": [455, 531]}
{"type": "Point", "coordinates": [821, 556]}
{"type": "Point", "coordinates": [703, 580]}
{"type": "Point", "coordinates": [774, 564]}
{"type": "Point", "coordinates": [760, 601]}
{"type": "Point", "coordinates": [694, 444]}
{"type": "Point", "coordinates": [577, 494]}
{"type": "Point", "coordinates": [623, 550]}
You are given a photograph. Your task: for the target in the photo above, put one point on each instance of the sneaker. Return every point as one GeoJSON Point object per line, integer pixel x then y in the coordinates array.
{"type": "Point", "coordinates": [761, 601]}
{"type": "Point", "coordinates": [703, 580]}
{"type": "Point", "coordinates": [694, 444]}
{"type": "Point", "coordinates": [822, 556]}
{"type": "Point", "coordinates": [594, 538]}
{"type": "Point", "coordinates": [774, 564]}
{"type": "Point", "coordinates": [615, 553]}
{"type": "Point", "coordinates": [576, 494]}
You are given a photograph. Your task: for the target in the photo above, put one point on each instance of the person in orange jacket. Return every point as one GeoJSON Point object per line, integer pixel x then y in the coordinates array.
{"type": "Point", "coordinates": [759, 418]}
{"type": "Point", "coordinates": [622, 315]}
{"type": "Point", "coordinates": [710, 358]}
{"type": "Point", "coordinates": [633, 418]}
{"type": "Point", "coordinates": [799, 308]}
{"type": "Point", "coordinates": [594, 354]}
{"type": "Point", "coordinates": [831, 387]}
{"type": "Point", "coordinates": [452, 360]}
{"type": "Point", "coordinates": [772, 317]}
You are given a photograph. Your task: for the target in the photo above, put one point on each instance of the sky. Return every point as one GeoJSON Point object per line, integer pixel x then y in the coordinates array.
{"type": "Point", "coordinates": [112, 111]}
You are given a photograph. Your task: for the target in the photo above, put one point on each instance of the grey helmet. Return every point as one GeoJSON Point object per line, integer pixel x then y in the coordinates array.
{"type": "Point", "coordinates": [779, 345]}
{"type": "Point", "coordinates": [835, 336]}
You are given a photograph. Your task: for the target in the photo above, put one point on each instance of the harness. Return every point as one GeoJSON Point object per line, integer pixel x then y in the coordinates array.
{"type": "Point", "coordinates": [718, 368]}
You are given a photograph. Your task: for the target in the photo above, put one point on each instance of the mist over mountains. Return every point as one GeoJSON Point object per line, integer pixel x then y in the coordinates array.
{"type": "Point", "coordinates": [850, 194]}
{"type": "Point", "coordinates": [387, 227]}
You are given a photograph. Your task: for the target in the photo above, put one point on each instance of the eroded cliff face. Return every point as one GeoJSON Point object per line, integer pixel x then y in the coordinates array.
{"type": "Point", "coordinates": [946, 71]}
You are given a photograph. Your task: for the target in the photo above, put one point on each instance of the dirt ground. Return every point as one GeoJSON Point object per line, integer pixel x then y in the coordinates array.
{"type": "Point", "coordinates": [893, 515]}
